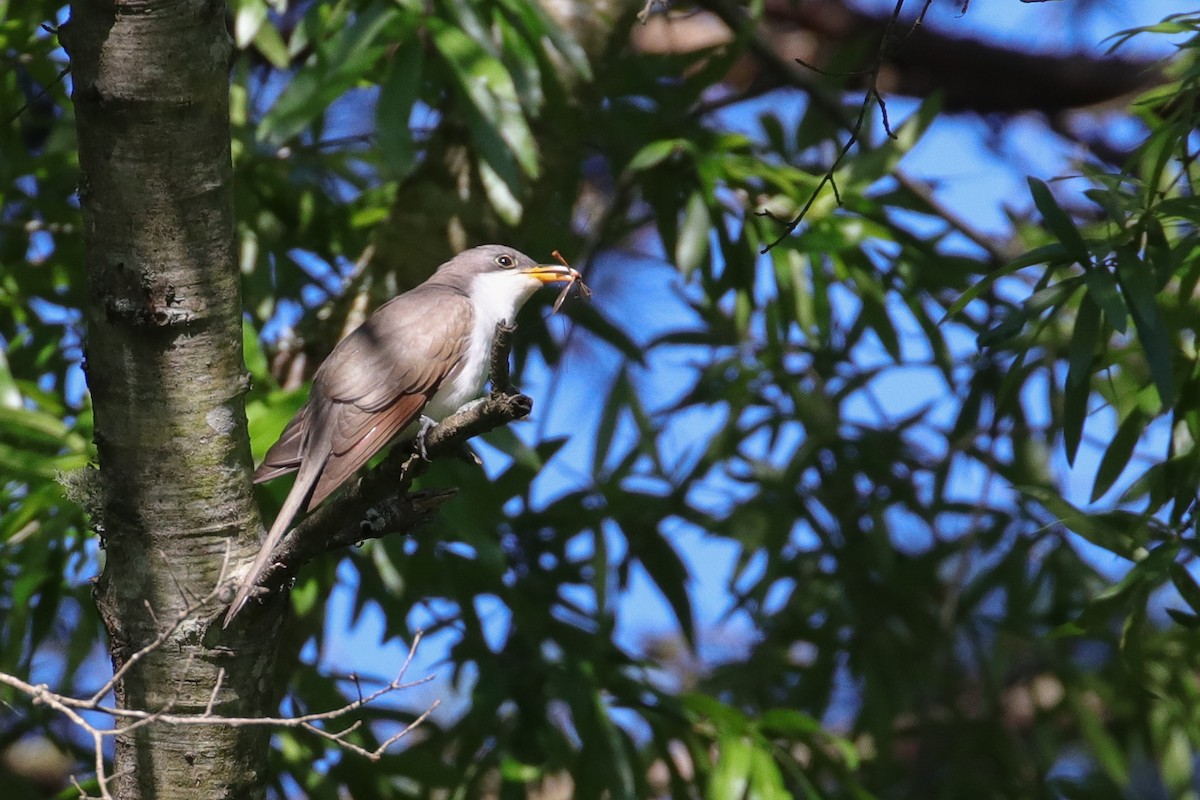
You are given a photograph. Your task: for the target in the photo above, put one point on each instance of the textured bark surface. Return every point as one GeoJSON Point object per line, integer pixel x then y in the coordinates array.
{"type": "Point", "coordinates": [165, 369]}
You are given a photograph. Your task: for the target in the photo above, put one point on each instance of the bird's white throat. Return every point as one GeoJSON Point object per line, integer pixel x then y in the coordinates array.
{"type": "Point", "coordinates": [495, 297]}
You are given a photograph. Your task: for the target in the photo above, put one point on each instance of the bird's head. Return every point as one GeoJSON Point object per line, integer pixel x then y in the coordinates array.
{"type": "Point", "coordinates": [501, 277]}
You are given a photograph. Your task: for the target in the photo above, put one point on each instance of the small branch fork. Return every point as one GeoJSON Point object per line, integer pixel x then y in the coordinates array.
{"type": "Point", "coordinates": [380, 502]}
{"type": "Point", "coordinates": [73, 708]}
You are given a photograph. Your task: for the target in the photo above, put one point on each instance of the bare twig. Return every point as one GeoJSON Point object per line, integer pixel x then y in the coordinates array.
{"type": "Point", "coordinates": [131, 719]}
{"type": "Point", "coordinates": [795, 75]}
{"type": "Point", "coordinates": [62, 73]}
{"type": "Point", "coordinates": [164, 633]}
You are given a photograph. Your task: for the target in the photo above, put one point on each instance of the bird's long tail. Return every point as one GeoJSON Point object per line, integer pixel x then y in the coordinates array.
{"type": "Point", "coordinates": [306, 479]}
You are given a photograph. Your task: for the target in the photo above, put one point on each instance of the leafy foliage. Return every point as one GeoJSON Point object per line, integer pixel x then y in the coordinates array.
{"type": "Point", "coordinates": [913, 593]}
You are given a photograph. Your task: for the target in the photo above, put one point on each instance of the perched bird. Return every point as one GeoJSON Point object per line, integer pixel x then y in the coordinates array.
{"type": "Point", "coordinates": [422, 354]}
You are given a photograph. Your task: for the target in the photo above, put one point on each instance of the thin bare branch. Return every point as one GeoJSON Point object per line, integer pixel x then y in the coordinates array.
{"type": "Point", "coordinates": [131, 719]}
{"type": "Point", "coordinates": [795, 75]}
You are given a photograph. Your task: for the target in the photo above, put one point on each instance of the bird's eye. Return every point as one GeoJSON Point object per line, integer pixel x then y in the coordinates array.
{"type": "Point", "coordinates": [506, 261]}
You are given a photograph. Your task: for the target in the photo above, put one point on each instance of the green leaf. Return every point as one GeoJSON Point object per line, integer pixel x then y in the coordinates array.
{"type": "Point", "coordinates": [1058, 222]}
{"type": "Point", "coordinates": [10, 395]}
{"type": "Point", "coordinates": [33, 427]}
{"type": "Point", "coordinates": [514, 771]}
{"type": "Point", "coordinates": [597, 324]}
{"type": "Point", "coordinates": [1185, 584]}
{"type": "Point", "coordinates": [397, 96]}
{"type": "Point", "coordinates": [489, 87]}
{"type": "Point", "coordinates": [655, 153]}
{"type": "Point", "coordinates": [1184, 618]}
{"type": "Point", "coordinates": [1052, 254]}
{"type": "Point", "coordinates": [1042, 255]}
{"type": "Point", "coordinates": [538, 25]}
{"type": "Point", "coordinates": [766, 782]}
{"type": "Point", "coordinates": [1079, 373]}
{"type": "Point", "coordinates": [790, 723]}
{"type": "Point", "coordinates": [1114, 538]}
{"type": "Point", "coordinates": [271, 45]}
{"type": "Point", "coordinates": [1107, 752]}
{"type": "Point", "coordinates": [874, 313]}
{"type": "Point", "coordinates": [668, 572]}
{"type": "Point", "coordinates": [1137, 284]}
{"type": "Point", "coordinates": [692, 246]}
{"type": "Point", "coordinates": [725, 719]}
{"type": "Point", "coordinates": [1102, 288]}
{"type": "Point", "coordinates": [522, 63]}
{"type": "Point", "coordinates": [606, 426]}
{"type": "Point", "coordinates": [731, 775]}
{"type": "Point", "coordinates": [501, 193]}
{"type": "Point", "coordinates": [1118, 453]}
{"type": "Point", "coordinates": [248, 18]}
{"type": "Point", "coordinates": [1011, 324]}
{"type": "Point", "coordinates": [339, 64]}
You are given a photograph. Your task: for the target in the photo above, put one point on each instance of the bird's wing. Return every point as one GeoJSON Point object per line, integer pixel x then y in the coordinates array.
{"type": "Point", "coordinates": [285, 455]}
{"type": "Point", "coordinates": [384, 375]}
{"type": "Point", "coordinates": [376, 429]}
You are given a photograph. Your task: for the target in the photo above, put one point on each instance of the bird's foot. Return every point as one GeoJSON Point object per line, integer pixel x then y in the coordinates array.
{"type": "Point", "coordinates": [426, 423]}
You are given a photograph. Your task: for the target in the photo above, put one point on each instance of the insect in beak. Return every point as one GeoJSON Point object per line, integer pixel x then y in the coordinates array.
{"type": "Point", "coordinates": [576, 280]}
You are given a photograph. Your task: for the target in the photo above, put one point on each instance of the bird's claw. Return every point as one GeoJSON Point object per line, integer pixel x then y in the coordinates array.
{"type": "Point", "coordinates": [426, 423]}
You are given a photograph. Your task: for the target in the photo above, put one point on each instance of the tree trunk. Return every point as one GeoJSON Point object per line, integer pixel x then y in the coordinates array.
{"type": "Point", "coordinates": [167, 379]}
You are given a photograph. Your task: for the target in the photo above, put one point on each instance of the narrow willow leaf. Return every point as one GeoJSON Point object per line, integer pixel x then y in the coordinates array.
{"type": "Point", "coordinates": [397, 95]}
{"type": "Point", "coordinates": [499, 193]}
{"type": "Point", "coordinates": [692, 246]}
{"type": "Point", "coordinates": [340, 63]}
{"type": "Point", "coordinates": [1186, 584]}
{"type": "Point", "coordinates": [1184, 618]}
{"type": "Point", "coordinates": [1102, 288]}
{"type": "Point", "coordinates": [1079, 371]}
{"type": "Point", "coordinates": [1137, 284]}
{"type": "Point", "coordinates": [668, 572]}
{"type": "Point", "coordinates": [875, 314]}
{"type": "Point", "coordinates": [1096, 530]}
{"type": "Point", "coordinates": [1118, 453]}
{"type": "Point", "coordinates": [655, 153]}
{"type": "Point", "coordinates": [730, 777]}
{"type": "Point", "coordinates": [1058, 222]}
{"type": "Point", "coordinates": [1048, 254]}
{"type": "Point", "coordinates": [488, 85]}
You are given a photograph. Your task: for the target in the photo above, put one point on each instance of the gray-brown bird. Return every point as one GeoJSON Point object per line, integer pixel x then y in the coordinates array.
{"type": "Point", "coordinates": [422, 354]}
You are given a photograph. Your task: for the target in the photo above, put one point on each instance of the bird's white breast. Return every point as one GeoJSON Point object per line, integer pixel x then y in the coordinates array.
{"type": "Point", "coordinates": [495, 297]}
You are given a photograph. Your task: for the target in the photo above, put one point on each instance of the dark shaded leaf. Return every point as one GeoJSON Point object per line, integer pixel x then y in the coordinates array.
{"type": "Point", "coordinates": [1058, 222]}
{"type": "Point", "coordinates": [1079, 372]}
{"type": "Point", "coordinates": [1137, 284]}
{"type": "Point", "coordinates": [1118, 452]}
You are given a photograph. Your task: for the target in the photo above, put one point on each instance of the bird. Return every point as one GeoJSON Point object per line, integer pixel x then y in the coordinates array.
{"type": "Point", "coordinates": [417, 359]}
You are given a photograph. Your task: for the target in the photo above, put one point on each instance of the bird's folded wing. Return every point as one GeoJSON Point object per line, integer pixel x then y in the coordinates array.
{"type": "Point", "coordinates": [389, 369]}
{"type": "Point", "coordinates": [358, 435]}
{"type": "Point", "coordinates": [372, 386]}
{"type": "Point", "coordinates": [284, 455]}
{"type": "Point", "coordinates": [408, 346]}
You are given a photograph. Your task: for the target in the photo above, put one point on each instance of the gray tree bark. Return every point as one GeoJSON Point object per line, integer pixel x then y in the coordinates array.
{"type": "Point", "coordinates": [167, 379]}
